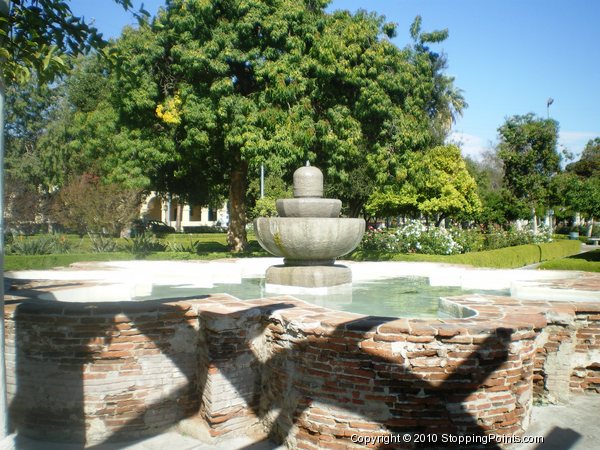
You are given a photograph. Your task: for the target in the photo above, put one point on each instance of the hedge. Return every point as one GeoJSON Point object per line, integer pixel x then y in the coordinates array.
{"type": "Point", "coordinates": [509, 257]}
{"type": "Point", "coordinates": [505, 258]}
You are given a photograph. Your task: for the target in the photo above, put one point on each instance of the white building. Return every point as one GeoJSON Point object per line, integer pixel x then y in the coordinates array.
{"type": "Point", "coordinates": [156, 207]}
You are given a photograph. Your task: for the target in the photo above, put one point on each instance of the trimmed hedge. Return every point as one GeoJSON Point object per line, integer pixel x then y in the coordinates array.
{"type": "Point", "coordinates": [559, 250]}
{"type": "Point", "coordinates": [509, 257]}
{"type": "Point", "coordinates": [503, 258]}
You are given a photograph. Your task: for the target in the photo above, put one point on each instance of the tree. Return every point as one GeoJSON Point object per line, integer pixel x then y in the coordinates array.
{"type": "Point", "coordinates": [378, 102]}
{"type": "Point", "coordinates": [578, 188]}
{"type": "Point", "coordinates": [86, 205]}
{"type": "Point", "coordinates": [589, 163]}
{"type": "Point", "coordinates": [29, 110]}
{"type": "Point", "coordinates": [275, 187]}
{"type": "Point", "coordinates": [80, 136]}
{"type": "Point", "coordinates": [208, 93]}
{"type": "Point", "coordinates": [528, 152]}
{"type": "Point", "coordinates": [35, 36]}
{"type": "Point", "coordinates": [39, 36]}
{"type": "Point", "coordinates": [498, 205]}
{"type": "Point", "coordinates": [445, 101]}
{"type": "Point", "coordinates": [434, 183]}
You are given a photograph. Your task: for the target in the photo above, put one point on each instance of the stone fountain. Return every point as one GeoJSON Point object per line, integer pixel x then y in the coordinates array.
{"type": "Point", "coordinates": [310, 235]}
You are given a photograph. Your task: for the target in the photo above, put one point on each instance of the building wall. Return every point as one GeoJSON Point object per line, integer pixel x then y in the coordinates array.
{"type": "Point", "coordinates": [156, 208]}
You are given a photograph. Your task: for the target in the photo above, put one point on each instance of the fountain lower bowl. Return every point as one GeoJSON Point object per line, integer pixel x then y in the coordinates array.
{"type": "Point", "coordinates": [302, 239]}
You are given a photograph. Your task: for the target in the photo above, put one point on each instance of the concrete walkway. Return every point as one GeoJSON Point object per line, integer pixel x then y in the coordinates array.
{"type": "Point", "coordinates": [571, 427]}
{"type": "Point", "coordinates": [166, 441]}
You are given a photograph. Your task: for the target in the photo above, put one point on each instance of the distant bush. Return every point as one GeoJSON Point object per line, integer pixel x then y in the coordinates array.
{"type": "Point", "coordinates": [415, 237]}
{"type": "Point", "coordinates": [102, 244]}
{"type": "Point", "coordinates": [42, 245]}
{"type": "Point", "coordinates": [143, 245]}
{"type": "Point", "coordinates": [184, 247]}
{"type": "Point", "coordinates": [87, 204]}
{"type": "Point", "coordinates": [205, 229]}
{"type": "Point", "coordinates": [559, 249]}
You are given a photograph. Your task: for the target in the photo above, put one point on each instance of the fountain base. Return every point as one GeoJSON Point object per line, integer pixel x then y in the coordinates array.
{"type": "Point", "coordinates": [313, 276]}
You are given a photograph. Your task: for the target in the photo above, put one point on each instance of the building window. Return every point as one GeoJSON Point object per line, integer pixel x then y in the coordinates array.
{"type": "Point", "coordinates": [212, 215]}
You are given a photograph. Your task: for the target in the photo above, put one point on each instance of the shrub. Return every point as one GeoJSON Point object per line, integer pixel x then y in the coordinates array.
{"type": "Point", "coordinates": [89, 205]}
{"type": "Point", "coordinates": [22, 245]}
{"type": "Point", "coordinates": [102, 244]}
{"type": "Point", "coordinates": [142, 245]}
{"type": "Point", "coordinates": [379, 240]}
{"type": "Point", "coordinates": [413, 237]}
{"type": "Point", "coordinates": [181, 247]}
{"type": "Point", "coordinates": [43, 245]}
{"type": "Point", "coordinates": [509, 257]}
{"type": "Point", "coordinates": [205, 229]}
{"type": "Point", "coordinates": [469, 240]}
{"type": "Point", "coordinates": [500, 238]}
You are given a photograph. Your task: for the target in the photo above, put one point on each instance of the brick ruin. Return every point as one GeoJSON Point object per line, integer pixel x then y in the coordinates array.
{"type": "Point", "coordinates": [279, 367]}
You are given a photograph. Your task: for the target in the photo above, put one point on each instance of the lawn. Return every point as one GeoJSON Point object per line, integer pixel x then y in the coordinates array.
{"type": "Point", "coordinates": [209, 246]}
{"type": "Point", "coordinates": [587, 262]}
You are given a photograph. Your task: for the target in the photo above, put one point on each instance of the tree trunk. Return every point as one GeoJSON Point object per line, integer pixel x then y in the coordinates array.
{"type": "Point", "coordinates": [236, 235]}
{"type": "Point", "coordinates": [355, 207]}
{"type": "Point", "coordinates": [178, 216]}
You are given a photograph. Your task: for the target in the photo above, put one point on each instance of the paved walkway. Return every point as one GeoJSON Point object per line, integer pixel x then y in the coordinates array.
{"type": "Point", "coordinates": [571, 427]}
{"type": "Point", "coordinates": [166, 441]}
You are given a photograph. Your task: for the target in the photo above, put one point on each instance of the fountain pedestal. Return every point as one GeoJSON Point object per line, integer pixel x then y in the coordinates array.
{"type": "Point", "coordinates": [309, 235]}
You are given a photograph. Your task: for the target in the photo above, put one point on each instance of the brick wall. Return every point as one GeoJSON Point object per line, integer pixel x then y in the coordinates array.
{"type": "Point", "coordinates": [568, 352]}
{"type": "Point", "coordinates": [300, 373]}
{"type": "Point", "coordinates": [374, 377]}
{"type": "Point", "coordinates": [585, 376]}
{"type": "Point", "coordinates": [87, 373]}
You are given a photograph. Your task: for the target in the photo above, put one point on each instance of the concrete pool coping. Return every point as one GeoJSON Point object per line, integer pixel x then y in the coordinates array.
{"type": "Point", "coordinates": [522, 283]}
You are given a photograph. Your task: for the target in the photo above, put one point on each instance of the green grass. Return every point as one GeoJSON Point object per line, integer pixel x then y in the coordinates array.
{"type": "Point", "coordinates": [41, 262]}
{"type": "Point", "coordinates": [211, 246]}
{"type": "Point", "coordinates": [37, 262]}
{"type": "Point", "coordinates": [587, 262]}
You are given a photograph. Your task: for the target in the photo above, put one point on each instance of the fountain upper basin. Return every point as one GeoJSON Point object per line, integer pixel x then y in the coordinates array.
{"type": "Point", "coordinates": [309, 238]}
{"type": "Point", "coordinates": [308, 207]}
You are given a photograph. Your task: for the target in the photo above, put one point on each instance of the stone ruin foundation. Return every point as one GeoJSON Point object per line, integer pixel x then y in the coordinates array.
{"type": "Point", "coordinates": [278, 367]}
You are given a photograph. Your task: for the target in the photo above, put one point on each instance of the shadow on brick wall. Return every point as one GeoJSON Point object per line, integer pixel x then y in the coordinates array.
{"type": "Point", "coordinates": [325, 372]}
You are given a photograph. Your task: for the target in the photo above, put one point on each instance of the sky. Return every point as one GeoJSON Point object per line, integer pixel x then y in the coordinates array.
{"type": "Point", "coordinates": [508, 56]}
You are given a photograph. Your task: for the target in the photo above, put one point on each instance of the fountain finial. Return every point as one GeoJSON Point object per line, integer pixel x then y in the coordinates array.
{"type": "Point", "coordinates": [308, 182]}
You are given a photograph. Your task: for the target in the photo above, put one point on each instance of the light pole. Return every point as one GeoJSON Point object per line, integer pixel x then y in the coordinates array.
{"type": "Point", "coordinates": [262, 181]}
{"type": "Point", "coordinates": [4, 11]}
{"type": "Point", "coordinates": [548, 103]}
